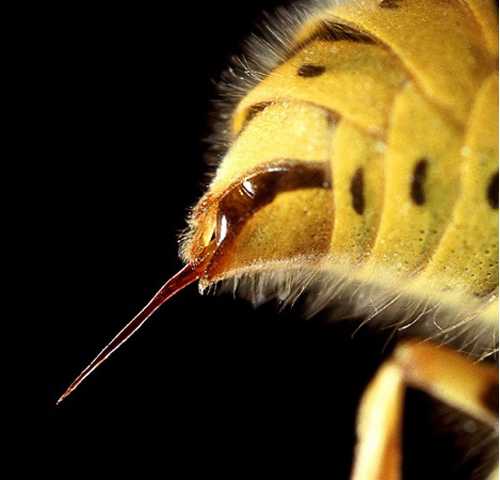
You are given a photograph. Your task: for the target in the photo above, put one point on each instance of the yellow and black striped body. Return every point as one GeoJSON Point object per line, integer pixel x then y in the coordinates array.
{"type": "Point", "coordinates": [362, 168]}
{"type": "Point", "coordinates": [399, 100]}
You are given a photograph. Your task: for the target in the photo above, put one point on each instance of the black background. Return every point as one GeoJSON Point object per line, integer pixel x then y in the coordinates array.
{"type": "Point", "coordinates": [209, 386]}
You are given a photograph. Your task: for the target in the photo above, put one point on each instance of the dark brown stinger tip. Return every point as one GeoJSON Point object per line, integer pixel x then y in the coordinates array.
{"type": "Point", "coordinates": [186, 276]}
{"type": "Point", "coordinates": [234, 207]}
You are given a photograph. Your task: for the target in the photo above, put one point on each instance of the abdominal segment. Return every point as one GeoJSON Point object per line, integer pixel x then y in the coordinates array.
{"type": "Point", "coordinates": [280, 211]}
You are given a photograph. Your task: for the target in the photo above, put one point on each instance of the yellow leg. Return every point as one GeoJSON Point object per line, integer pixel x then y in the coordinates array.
{"type": "Point", "coordinates": [442, 373]}
{"type": "Point", "coordinates": [378, 454]}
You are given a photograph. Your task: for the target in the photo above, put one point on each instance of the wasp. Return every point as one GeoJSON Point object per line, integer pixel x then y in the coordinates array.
{"type": "Point", "coordinates": [359, 165]}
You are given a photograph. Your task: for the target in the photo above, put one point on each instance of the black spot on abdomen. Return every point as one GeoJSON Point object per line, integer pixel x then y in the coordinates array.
{"type": "Point", "coordinates": [492, 193]}
{"type": "Point", "coordinates": [389, 4]}
{"type": "Point", "coordinates": [357, 192]}
{"type": "Point", "coordinates": [417, 192]}
{"type": "Point", "coordinates": [330, 32]}
{"type": "Point", "coordinates": [310, 70]}
{"type": "Point", "coordinates": [252, 112]}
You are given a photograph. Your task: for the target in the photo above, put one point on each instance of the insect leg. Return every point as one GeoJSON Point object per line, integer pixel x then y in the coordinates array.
{"type": "Point", "coordinates": [451, 377]}
{"type": "Point", "coordinates": [440, 372]}
{"type": "Point", "coordinates": [378, 453]}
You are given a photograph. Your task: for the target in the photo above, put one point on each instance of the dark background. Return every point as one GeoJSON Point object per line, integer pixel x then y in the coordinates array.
{"type": "Point", "coordinates": [209, 386]}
